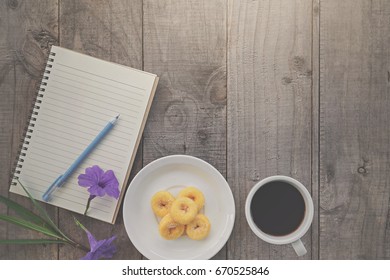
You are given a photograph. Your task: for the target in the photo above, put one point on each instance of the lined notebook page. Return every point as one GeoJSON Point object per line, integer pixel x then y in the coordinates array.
{"type": "Point", "coordinates": [82, 95]}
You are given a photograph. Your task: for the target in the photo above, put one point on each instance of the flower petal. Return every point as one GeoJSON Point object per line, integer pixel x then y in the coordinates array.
{"type": "Point", "coordinates": [95, 172]}
{"type": "Point", "coordinates": [112, 191]}
{"type": "Point", "coordinates": [96, 190]}
{"type": "Point", "coordinates": [92, 176]}
{"type": "Point", "coordinates": [110, 183]}
{"type": "Point", "coordinates": [92, 241]}
{"type": "Point", "coordinates": [85, 180]}
{"type": "Point", "coordinates": [101, 249]}
{"type": "Point", "coordinates": [106, 249]}
{"type": "Point", "coordinates": [109, 178]}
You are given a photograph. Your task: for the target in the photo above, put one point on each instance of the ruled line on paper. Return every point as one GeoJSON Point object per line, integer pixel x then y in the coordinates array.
{"type": "Point", "coordinates": [79, 136]}
{"type": "Point", "coordinates": [83, 108]}
{"type": "Point", "coordinates": [62, 169]}
{"type": "Point", "coordinates": [44, 102]}
{"type": "Point", "coordinates": [73, 96]}
{"type": "Point", "coordinates": [96, 98]}
{"type": "Point", "coordinates": [75, 154]}
{"type": "Point", "coordinates": [70, 201]}
{"type": "Point", "coordinates": [55, 170]}
{"type": "Point", "coordinates": [76, 124]}
{"type": "Point", "coordinates": [92, 74]}
{"type": "Point", "coordinates": [60, 131]}
{"type": "Point", "coordinates": [66, 164]}
{"type": "Point", "coordinates": [81, 143]}
{"type": "Point", "coordinates": [72, 158]}
{"type": "Point", "coordinates": [87, 130]}
{"type": "Point", "coordinates": [35, 160]}
{"type": "Point", "coordinates": [56, 160]}
{"type": "Point", "coordinates": [94, 92]}
{"type": "Point", "coordinates": [98, 148]}
{"type": "Point", "coordinates": [100, 108]}
{"type": "Point", "coordinates": [45, 173]}
{"type": "Point", "coordinates": [89, 127]}
{"type": "Point", "coordinates": [108, 117]}
{"type": "Point", "coordinates": [82, 204]}
{"type": "Point", "coordinates": [92, 122]}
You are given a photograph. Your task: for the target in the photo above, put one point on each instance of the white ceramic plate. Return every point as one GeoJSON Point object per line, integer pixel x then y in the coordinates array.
{"type": "Point", "coordinates": [173, 173]}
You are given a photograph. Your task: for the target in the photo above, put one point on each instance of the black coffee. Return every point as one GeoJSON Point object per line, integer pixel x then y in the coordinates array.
{"type": "Point", "coordinates": [277, 208]}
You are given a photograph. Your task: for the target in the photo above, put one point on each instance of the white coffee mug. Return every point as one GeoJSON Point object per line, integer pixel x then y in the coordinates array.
{"type": "Point", "coordinates": [293, 237]}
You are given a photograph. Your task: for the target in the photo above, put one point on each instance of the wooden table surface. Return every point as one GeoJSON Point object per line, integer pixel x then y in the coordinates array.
{"type": "Point", "coordinates": [256, 88]}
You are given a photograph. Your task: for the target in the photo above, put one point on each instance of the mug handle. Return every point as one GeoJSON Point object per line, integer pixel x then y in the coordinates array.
{"type": "Point", "coordinates": [299, 248]}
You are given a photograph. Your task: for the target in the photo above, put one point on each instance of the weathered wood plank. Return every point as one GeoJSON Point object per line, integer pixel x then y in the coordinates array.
{"type": "Point", "coordinates": [269, 108]}
{"type": "Point", "coordinates": [355, 135]}
{"type": "Point", "coordinates": [185, 44]}
{"type": "Point", "coordinates": [110, 30]}
{"type": "Point", "coordinates": [315, 128]}
{"type": "Point", "coordinates": [7, 96]}
{"type": "Point", "coordinates": [27, 31]}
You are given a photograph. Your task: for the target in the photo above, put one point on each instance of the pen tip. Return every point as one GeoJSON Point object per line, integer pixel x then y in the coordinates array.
{"type": "Point", "coordinates": [117, 116]}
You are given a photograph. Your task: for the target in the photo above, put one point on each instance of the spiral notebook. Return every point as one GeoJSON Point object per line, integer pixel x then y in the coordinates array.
{"type": "Point", "coordinates": [79, 94]}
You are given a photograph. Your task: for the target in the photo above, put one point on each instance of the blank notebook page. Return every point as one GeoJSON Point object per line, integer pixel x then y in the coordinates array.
{"type": "Point", "coordinates": [81, 96]}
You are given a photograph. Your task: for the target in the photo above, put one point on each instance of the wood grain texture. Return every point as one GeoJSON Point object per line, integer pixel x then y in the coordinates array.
{"type": "Point", "coordinates": [27, 29]}
{"type": "Point", "coordinates": [315, 147]}
{"type": "Point", "coordinates": [110, 30]}
{"type": "Point", "coordinates": [355, 135]}
{"type": "Point", "coordinates": [269, 108]}
{"type": "Point", "coordinates": [185, 44]}
{"type": "Point", "coordinates": [7, 96]}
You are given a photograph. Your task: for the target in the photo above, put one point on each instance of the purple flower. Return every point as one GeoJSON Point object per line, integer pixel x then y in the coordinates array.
{"type": "Point", "coordinates": [100, 249]}
{"type": "Point", "coordinates": [99, 182]}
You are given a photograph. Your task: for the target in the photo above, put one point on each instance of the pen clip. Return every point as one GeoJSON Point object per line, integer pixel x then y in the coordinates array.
{"type": "Point", "coordinates": [50, 190]}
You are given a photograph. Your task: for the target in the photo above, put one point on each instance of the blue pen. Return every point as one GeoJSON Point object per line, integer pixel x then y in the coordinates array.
{"type": "Point", "coordinates": [62, 178]}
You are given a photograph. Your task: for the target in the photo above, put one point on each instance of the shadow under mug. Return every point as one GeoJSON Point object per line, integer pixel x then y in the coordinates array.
{"type": "Point", "coordinates": [293, 237]}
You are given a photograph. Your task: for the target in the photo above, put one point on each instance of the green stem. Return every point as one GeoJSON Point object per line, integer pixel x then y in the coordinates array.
{"type": "Point", "coordinates": [88, 203]}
